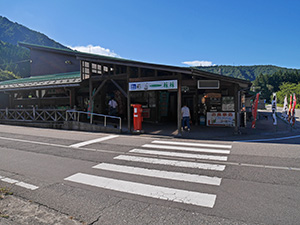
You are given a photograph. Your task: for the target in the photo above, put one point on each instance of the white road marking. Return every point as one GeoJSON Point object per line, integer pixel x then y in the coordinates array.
{"type": "Point", "coordinates": [178, 154]}
{"type": "Point", "coordinates": [60, 146]}
{"type": "Point", "coordinates": [28, 186]}
{"type": "Point", "coordinates": [19, 183]}
{"type": "Point", "coordinates": [8, 180]}
{"type": "Point", "coordinates": [78, 145]}
{"type": "Point", "coordinates": [187, 149]}
{"type": "Point", "coordinates": [192, 144]}
{"type": "Point", "coordinates": [271, 139]}
{"type": "Point", "coordinates": [204, 166]}
{"type": "Point", "coordinates": [194, 178]}
{"type": "Point", "coordinates": [170, 194]}
{"type": "Point", "coordinates": [32, 142]}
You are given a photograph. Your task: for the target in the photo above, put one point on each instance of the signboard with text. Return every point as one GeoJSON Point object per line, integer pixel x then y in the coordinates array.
{"type": "Point", "coordinates": [220, 119]}
{"type": "Point", "coordinates": [153, 85]}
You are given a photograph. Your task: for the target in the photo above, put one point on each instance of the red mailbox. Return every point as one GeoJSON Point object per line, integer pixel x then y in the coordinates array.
{"type": "Point", "coordinates": [137, 117]}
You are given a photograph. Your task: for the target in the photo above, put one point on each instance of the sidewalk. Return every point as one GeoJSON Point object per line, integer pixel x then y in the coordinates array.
{"type": "Point", "coordinates": [264, 129]}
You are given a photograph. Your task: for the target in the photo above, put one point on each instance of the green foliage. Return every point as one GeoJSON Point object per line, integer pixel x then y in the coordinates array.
{"type": "Point", "coordinates": [14, 58]}
{"type": "Point", "coordinates": [7, 75]}
{"type": "Point", "coordinates": [5, 191]}
{"type": "Point", "coordinates": [280, 81]}
{"type": "Point", "coordinates": [244, 72]}
{"type": "Point", "coordinates": [287, 89]}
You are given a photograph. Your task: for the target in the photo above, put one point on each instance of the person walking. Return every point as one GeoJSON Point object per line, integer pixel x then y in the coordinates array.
{"type": "Point", "coordinates": [185, 115]}
{"type": "Point", "coordinates": [112, 107]}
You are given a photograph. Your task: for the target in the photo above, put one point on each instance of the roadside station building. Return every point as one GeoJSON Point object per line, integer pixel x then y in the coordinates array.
{"type": "Point", "coordinates": [70, 79]}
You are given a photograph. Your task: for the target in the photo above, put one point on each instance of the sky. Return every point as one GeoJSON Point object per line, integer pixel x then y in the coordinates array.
{"type": "Point", "coordinates": [177, 32]}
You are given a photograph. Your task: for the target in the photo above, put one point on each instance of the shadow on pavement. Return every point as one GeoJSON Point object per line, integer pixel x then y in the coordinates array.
{"type": "Point", "coordinates": [265, 131]}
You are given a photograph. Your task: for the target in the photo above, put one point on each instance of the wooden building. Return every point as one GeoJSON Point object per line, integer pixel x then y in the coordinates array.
{"type": "Point", "coordinates": [66, 78]}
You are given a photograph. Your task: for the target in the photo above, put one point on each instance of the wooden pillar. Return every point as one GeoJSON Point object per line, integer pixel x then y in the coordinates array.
{"type": "Point", "coordinates": [39, 98]}
{"type": "Point", "coordinates": [72, 97]}
{"type": "Point", "coordinates": [128, 100]}
{"type": "Point", "coordinates": [90, 89]}
{"type": "Point", "coordinates": [236, 108]}
{"type": "Point", "coordinates": [115, 69]}
{"type": "Point", "coordinates": [196, 109]}
{"type": "Point", "coordinates": [102, 69]}
{"type": "Point", "coordinates": [10, 100]}
{"type": "Point", "coordinates": [157, 117]}
{"type": "Point", "coordinates": [179, 105]}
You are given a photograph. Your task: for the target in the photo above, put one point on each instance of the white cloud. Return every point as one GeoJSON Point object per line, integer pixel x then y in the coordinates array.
{"type": "Point", "coordinates": [95, 50]}
{"type": "Point", "coordinates": [198, 63]}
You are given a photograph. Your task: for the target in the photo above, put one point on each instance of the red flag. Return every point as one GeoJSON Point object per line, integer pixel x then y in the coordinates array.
{"type": "Point", "coordinates": [293, 110]}
{"type": "Point", "coordinates": [294, 103]}
{"type": "Point", "coordinates": [254, 110]}
{"type": "Point", "coordinates": [290, 108]}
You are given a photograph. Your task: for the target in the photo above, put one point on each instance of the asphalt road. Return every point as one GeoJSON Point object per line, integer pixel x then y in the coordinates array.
{"type": "Point", "coordinates": [122, 179]}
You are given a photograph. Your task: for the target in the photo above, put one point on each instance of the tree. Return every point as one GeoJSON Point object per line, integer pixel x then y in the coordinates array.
{"type": "Point", "coordinates": [288, 89]}
{"type": "Point", "coordinates": [7, 75]}
{"type": "Point", "coordinates": [267, 84]}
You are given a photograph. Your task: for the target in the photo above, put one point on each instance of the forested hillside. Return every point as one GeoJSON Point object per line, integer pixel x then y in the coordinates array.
{"type": "Point", "coordinates": [13, 58]}
{"type": "Point", "coordinates": [283, 82]}
{"type": "Point", "coordinates": [245, 72]}
{"type": "Point", "coordinates": [13, 33]}
{"type": "Point", "coordinates": [6, 75]}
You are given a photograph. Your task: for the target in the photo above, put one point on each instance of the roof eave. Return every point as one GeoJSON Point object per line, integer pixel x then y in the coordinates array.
{"type": "Point", "coordinates": [47, 48]}
{"type": "Point", "coordinates": [131, 63]}
{"type": "Point", "coordinates": [40, 87]}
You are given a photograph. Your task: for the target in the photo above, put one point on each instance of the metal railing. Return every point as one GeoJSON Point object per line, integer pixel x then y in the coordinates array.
{"type": "Point", "coordinates": [59, 115]}
{"type": "Point", "coordinates": [74, 115]}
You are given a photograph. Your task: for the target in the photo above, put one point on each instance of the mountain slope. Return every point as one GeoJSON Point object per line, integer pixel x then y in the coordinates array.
{"type": "Point", "coordinates": [245, 72]}
{"type": "Point", "coordinates": [14, 58]}
{"type": "Point", "coordinates": [13, 33]}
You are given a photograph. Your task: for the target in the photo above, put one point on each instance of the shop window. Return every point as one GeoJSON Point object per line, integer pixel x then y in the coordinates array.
{"type": "Point", "coordinates": [85, 70]}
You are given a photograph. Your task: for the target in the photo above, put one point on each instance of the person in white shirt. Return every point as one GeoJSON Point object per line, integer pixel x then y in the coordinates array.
{"type": "Point", "coordinates": [185, 115]}
{"type": "Point", "coordinates": [112, 107]}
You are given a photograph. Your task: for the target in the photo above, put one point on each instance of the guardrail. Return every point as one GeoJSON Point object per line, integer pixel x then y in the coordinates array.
{"type": "Point", "coordinates": [73, 115]}
{"type": "Point", "coordinates": [43, 115]}
{"type": "Point", "coordinates": [59, 115]}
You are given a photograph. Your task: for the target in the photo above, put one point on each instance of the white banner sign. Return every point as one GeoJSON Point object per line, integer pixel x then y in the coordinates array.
{"type": "Point", "coordinates": [153, 85]}
{"type": "Point", "coordinates": [220, 119]}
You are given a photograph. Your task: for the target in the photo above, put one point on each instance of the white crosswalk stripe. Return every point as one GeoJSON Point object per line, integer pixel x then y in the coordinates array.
{"type": "Point", "coordinates": [192, 144]}
{"type": "Point", "coordinates": [167, 162]}
{"type": "Point", "coordinates": [163, 153]}
{"type": "Point", "coordinates": [207, 150]}
{"type": "Point", "coordinates": [170, 194]}
{"type": "Point", "coordinates": [177, 154]}
{"type": "Point", "coordinates": [195, 178]}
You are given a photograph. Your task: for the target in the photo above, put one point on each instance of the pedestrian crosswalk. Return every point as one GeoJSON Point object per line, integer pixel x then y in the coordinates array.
{"type": "Point", "coordinates": [148, 160]}
{"type": "Point", "coordinates": [160, 174]}
{"type": "Point", "coordinates": [167, 162]}
{"type": "Point", "coordinates": [178, 154]}
{"type": "Point", "coordinates": [182, 148]}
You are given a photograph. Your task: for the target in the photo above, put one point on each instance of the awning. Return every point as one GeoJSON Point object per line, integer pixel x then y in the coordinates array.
{"type": "Point", "coordinates": [45, 81]}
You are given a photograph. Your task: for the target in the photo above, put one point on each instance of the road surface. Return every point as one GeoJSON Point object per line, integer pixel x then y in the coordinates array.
{"type": "Point", "coordinates": [102, 178]}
